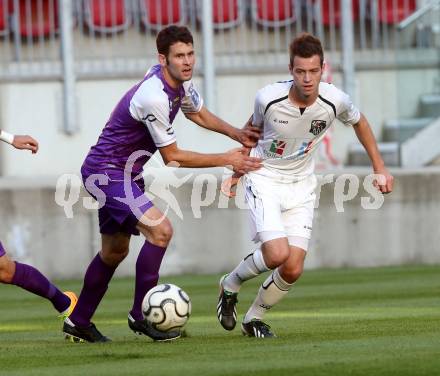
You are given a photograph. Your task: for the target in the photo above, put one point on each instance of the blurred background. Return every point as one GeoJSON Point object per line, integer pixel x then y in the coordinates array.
{"type": "Point", "coordinates": [64, 64]}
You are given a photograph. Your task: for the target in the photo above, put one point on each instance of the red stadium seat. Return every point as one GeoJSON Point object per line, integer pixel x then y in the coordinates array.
{"type": "Point", "coordinates": [331, 11]}
{"type": "Point", "coordinates": [37, 18]}
{"type": "Point", "coordinates": [158, 13]}
{"type": "Point", "coordinates": [394, 11]}
{"type": "Point", "coordinates": [5, 12]}
{"type": "Point", "coordinates": [225, 13]}
{"type": "Point", "coordinates": [273, 13]}
{"type": "Point", "coordinates": [106, 16]}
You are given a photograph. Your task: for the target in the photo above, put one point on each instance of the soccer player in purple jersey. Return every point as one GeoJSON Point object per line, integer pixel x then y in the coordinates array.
{"type": "Point", "coordinates": [142, 122]}
{"type": "Point", "coordinates": [26, 276]}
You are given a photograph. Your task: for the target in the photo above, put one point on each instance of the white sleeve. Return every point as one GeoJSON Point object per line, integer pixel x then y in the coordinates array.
{"type": "Point", "coordinates": [348, 112]}
{"type": "Point", "coordinates": [192, 101]}
{"type": "Point", "coordinates": [258, 117]}
{"type": "Point", "coordinates": [153, 111]}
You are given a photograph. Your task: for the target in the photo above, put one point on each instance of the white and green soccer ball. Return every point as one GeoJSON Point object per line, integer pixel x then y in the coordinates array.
{"type": "Point", "coordinates": [167, 307]}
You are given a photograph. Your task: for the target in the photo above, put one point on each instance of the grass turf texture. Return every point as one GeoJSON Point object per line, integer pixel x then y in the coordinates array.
{"type": "Point", "coordinates": [381, 321]}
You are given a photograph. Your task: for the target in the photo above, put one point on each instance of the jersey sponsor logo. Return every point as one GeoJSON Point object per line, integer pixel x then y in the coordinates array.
{"type": "Point", "coordinates": [170, 131]}
{"type": "Point", "coordinates": [317, 126]}
{"type": "Point", "coordinates": [150, 118]}
{"type": "Point", "coordinates": [305, 148]}
{"type": "Point", "coordinates": [277, 147]}
{"type": "Point", "coordinates": [280, 121]}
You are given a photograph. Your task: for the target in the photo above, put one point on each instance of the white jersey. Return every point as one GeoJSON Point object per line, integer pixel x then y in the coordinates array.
{"type": "Point", "coordinates": [289, 138]}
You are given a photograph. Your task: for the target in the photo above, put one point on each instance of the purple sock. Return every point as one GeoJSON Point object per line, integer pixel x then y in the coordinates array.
{"type": "Point", "coordinates": [147, 275]}
{"type": "Point", "coordinates": [30, 279]}
{"type": "Point", "coordinates": [96, 280]}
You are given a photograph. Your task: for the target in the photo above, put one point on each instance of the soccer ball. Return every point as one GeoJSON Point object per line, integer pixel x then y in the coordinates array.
{"type": "Point", "coordinates": [167, 307]}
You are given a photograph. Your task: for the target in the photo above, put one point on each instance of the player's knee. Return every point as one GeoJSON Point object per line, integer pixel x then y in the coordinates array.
{"type": "Point", "coordinates": [114, 255]}
{"type": "Point", "coordinates": [276, 257]}
{"type": "Point", "coordinates": [114, 259]}
{"type": "Point", "coordinates": [291, 275]}
{"type": "Point", "coordinates": [162, 234]}
{"type": "Point", "coordinates": [122, 254]}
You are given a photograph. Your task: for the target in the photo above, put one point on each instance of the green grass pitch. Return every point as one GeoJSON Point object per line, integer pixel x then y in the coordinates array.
{"type": "Point", "coordinates": [378, 321]}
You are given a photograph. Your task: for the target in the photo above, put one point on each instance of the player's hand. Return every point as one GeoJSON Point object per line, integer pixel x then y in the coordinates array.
{"type": "Point", "coordinates": [385, 184]}
{"type": "Point", "coordinates": [229, 185]}
{"type": "Point", "coordinates": [248, 136]}
{"type": "Point", "coordinates": [241, 162]}
{"type": "Point", "coordinates": [25, 143]}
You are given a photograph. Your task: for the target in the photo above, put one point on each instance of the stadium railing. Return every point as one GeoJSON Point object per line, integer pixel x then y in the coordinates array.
{"type": "Point", "coordinates": [117, 37]}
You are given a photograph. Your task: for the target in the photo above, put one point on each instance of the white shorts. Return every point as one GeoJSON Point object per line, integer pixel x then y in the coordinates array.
{"type": "Point", "coordinates": [277, 208]}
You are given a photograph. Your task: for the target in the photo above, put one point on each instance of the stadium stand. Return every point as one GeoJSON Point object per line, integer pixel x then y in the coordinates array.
{"type": "Point", "coordinates": [37, 18]}
{"type": "Point", "coordinates": [5, 12]}
{"type": "Point", "coordinates": [226, 13]}
{"type": "Point", "coordinates": [331, 11]}
{"type": "Point", "coordinates": [394, 11]}
{"type": "Point", "coordinates": [106, 16]}
{"type": "Point", "coordinates": [273, 13]}
{"type": "Point", "coordinates": [156, 14]}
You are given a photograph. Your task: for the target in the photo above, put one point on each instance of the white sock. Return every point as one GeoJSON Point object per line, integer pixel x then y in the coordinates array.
{"type": "Point", "coordinates": [273, 289]}
{"type": "Point", "coordinates": [251, 266]}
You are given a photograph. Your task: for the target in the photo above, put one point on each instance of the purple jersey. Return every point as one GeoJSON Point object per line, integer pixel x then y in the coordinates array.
{"type": "Point", "coordinates": [142, 120]}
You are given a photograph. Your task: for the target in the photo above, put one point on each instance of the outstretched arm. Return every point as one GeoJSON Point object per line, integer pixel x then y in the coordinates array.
{"type": "Point", "coordinates": [367, 139]}
{"type": "Point", "coordinates": [247, 136]}
{"type": "Point", "coordinates": [20, 142]}
{"type": "Point", "coordinates": [240, 162]}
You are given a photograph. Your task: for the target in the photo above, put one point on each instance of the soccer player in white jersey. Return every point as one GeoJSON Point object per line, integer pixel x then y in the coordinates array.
{"type": "Point", "coordinates": [26, 276]}
{"type": "Point", "coordinates": [294, 116]}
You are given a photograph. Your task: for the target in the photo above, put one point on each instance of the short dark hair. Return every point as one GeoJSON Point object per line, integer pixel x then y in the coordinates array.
{"type": "Point", "coordinates": [306, 45]}
{"type": "Point", "coordinates": [171, 35]}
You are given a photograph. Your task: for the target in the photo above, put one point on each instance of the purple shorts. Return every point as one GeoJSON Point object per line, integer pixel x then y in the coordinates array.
{"type": "Point", "coordinates": [122, 203]}
{"type": "Point", "coordinates": [2, 250]}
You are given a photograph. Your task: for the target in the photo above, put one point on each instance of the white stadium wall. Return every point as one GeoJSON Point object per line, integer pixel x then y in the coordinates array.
{"type": "Point", "coordinates": [212, 237]}
{"type": "Point", "coordinates": [36, 108]}
{"type": "Point", "coordinates": [35, 229]}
